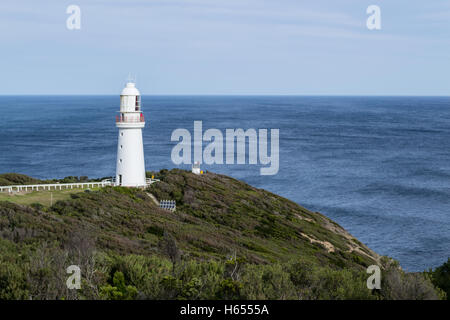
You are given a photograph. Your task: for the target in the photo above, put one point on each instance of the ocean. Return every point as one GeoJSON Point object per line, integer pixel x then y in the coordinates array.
{"type": "Point", "coordinates": [379, 166]}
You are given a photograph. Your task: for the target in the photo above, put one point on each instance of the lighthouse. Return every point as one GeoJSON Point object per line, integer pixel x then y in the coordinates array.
{"type": "Point", "coordinates": [130, 167]}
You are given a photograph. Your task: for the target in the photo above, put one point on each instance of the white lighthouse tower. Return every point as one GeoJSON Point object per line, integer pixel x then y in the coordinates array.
{"type": "Point", "coordinates": [130, 168]}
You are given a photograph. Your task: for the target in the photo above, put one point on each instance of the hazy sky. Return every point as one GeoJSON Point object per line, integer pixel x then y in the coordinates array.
{"type": "Point", "coordinates": [226, 47]}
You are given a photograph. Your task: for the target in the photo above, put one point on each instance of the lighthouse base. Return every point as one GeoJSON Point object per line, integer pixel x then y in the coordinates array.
{"type": "Point", "coordinates": [130, 168]}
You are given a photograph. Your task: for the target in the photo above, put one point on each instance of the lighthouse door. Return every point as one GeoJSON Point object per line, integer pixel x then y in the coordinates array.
{"type": "Point", "coordinates": [120, 179]}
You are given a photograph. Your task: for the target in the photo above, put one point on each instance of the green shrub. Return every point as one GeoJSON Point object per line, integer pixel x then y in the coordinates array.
{"type": "Point", "coordinates": [229, 290]}
{"type": "Point", "coordinates": [37, 206]}
{"type": "Point", "coordinates": [13, 285]}
{"type": "Point", "coordinates": [119, 290]}
{"type": "Point", "coordinates": [441, 278]}
{"type": "Point", "coordinates": [398, 285]}
{"type": "Point", "coordinates": [261, 282]}
{"type": "Point", "coordinates": [156, 230]}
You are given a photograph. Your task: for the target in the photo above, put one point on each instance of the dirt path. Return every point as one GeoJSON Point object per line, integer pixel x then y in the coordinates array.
{"type": "Point", "coordinates": [153, 198]}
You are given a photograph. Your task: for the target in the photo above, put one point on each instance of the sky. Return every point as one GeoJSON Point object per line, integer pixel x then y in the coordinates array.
{"type": "Point", "coordinates": [230, 47]}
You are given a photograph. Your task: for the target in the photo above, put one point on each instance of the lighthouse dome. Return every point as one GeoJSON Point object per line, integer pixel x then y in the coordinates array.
{"type": "Point", "coordinates": [130, 90]}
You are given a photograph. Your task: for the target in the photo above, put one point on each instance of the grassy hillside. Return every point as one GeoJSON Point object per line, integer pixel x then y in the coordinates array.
{"type": "Point", "coordinates": [225, 240]}
{"type": "Point", "coordinates": [218, 215]}
{"type": "Point", "coordinates": [8, 179]}
{"type": "Point", "coordinates": [45, 198]}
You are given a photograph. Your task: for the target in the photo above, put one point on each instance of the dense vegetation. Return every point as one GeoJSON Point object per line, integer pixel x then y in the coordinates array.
{"type": "Point", "coordinates": [440, 277]}
{"type": "Point", "coordinates": [226, 240]}
{"type": "Point", "coordinates": [8, 179]}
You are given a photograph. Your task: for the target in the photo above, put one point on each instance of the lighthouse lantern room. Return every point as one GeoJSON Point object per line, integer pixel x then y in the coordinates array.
{"type": "Point", "coordinates": [130, 168]}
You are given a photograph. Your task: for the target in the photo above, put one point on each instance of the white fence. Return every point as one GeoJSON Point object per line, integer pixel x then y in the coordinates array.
{"type": "Point", "coordinates": [168, 205]}
{"type": "Point", "coordinates": [54, 186]}
{"type": "Point", "coordinates": [61, 186]}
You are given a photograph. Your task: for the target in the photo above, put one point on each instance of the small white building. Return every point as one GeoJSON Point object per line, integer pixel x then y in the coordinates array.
{"type": "Point", "coordinates": [196, 168]}
{"type": "Point", "coordinates": [130, 168]}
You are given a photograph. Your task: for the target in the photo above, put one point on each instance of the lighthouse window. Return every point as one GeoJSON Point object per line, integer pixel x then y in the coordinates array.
{"type": "Point", "coordinates": [121, 146]}
{"type": "Point", "coordinates": [120, 160]}
{"type": "Point", "coordinates": [121, 133]}
{"type": "Point", "coordinates": [137, 104]}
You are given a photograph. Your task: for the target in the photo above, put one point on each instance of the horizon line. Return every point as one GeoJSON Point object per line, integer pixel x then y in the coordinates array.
{"type": "Point", "coordinates": [228, 95]}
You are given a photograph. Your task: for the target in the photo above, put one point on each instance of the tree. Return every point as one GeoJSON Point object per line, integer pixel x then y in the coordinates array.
{"type": "Point", "coordinates": [441, 277]}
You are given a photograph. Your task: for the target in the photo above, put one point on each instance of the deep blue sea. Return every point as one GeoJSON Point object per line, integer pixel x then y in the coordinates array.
{"type": "Point", "coordinates": [379, 166]}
